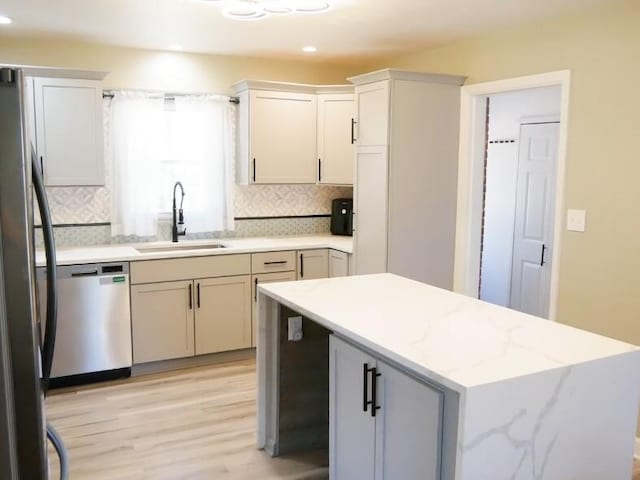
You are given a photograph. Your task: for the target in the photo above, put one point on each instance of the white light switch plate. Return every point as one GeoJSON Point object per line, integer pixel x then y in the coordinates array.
{"type": "Point", "coordinates": [295, 329]}
{"type": "Point", "coordinates": [576, 220]}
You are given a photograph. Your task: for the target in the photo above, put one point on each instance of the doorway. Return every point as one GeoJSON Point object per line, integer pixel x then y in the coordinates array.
{"type": "Point", "coordinates": [519, 199]}
{"type": "Point", "coordinates": [511, 190]}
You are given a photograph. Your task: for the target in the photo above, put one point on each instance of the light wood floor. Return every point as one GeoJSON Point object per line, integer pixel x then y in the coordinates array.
{"type": "Point", "coordinates": [197, 423]}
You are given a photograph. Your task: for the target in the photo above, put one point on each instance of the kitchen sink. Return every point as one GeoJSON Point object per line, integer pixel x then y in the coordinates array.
{"type": "Point", "coordinates": [179, 248]}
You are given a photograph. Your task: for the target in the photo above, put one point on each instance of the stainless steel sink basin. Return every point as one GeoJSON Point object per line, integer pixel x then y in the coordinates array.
{"type": "Point", "coordinates": [179, 248]}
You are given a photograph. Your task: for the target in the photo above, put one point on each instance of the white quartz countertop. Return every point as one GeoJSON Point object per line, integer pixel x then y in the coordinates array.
{"type": "Point", "coordinates": [457, 341]}
{"type": "Point", "coordinates": [130, 252]}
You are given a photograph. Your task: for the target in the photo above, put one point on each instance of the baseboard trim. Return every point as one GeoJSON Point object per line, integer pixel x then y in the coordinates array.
{"type": "Point", "coordinates": [636, 450]}
{"type": "Point", "coordinates": [190, 362]}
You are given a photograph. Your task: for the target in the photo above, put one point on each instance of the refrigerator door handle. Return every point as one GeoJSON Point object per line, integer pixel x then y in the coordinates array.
{"type": "Point", "coordinates": [48, 345]}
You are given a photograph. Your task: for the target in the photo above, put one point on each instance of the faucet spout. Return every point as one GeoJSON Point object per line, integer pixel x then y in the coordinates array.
{"type": "Point", "coordinates": [177, 223]}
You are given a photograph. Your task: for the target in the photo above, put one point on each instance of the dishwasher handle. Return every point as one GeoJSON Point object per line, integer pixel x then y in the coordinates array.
{"type": "Point", "coordinates": [92, 273]}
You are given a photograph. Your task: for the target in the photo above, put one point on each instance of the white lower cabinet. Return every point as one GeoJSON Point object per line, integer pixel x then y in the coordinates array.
{"type": "Point", "coordinates": [313, 264]}
{"type": "Point", "coordinates": [162, 321]}
{"type": "Point", "coordinates": [259, 279]}
{"type": "Point", "coordinates": [338, 264]}
{"type": "Point", "coordinates": [222, 314]}
{"type": "Point", "coordinates": [384, 424]}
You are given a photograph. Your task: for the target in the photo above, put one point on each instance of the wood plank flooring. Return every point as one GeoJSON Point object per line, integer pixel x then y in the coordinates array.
{"type": "Point", "coordinates": [196, 423]}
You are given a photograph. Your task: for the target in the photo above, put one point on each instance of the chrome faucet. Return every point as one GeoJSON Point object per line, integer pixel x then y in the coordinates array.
{"type": "Point", "coordinates": [177, 224]}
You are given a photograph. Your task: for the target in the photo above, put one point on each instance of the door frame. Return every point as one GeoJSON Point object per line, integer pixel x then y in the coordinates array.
{"type": "Point", "coordinates": [466, 278]}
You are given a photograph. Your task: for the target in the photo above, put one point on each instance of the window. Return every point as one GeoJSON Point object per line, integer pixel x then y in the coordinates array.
{"type": "Point", "coordinates": [156, 142]}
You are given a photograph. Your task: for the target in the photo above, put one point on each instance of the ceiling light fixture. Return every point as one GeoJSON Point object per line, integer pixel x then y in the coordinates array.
{"type": "Point", "coordinates": [309, 49]}
{"type": "Point", "coordinates": [256, 9]}
{"type": "Point", "coordinates": [5, 20]}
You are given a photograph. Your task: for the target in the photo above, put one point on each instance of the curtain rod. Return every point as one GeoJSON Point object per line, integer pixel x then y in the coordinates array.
{"type": "Point", "coordinates": [110, 94]}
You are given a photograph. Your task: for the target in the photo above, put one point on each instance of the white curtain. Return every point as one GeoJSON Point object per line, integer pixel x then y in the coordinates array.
{"type": "Point", "coordinates": [136, 126]}
{"type": "Point", "coordinates": [156, 142]}
{"type": "Point", "coordinates": [202, 148]}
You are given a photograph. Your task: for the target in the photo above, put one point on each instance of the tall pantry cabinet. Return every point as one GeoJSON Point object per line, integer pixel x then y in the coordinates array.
{"type": "Point", "coordinates": [406, 165]}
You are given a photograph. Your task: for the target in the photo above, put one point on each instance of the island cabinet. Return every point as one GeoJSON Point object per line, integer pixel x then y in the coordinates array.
{"type": "Point", "coordinates": [384, 423]}
{"type": "Point", "coordinates": [313, 264]}
{"type": "Point", "coordinates": [183, 307]}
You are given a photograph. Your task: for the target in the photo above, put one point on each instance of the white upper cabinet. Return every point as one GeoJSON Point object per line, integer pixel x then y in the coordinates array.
{"type": "Point", "coordinates": [282, 137]}
{"type": "Point", "coordinates": [336, 119]}
{"type": "Point", "coordinates": [69, 130]}
{"type": "Point", "coordinates": [294, 133]}
{"type": "Point", "coordinates": [372, 103]}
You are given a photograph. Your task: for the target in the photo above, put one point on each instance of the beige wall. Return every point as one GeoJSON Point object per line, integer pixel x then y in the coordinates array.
{"type": "Point", "coordinates": [166, 71]}
{"type": "Point", "coordinates": [600, 269]}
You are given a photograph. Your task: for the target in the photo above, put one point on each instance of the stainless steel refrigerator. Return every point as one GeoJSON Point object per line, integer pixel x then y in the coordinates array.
{"type": "Point", "coordinates": [25, 354]}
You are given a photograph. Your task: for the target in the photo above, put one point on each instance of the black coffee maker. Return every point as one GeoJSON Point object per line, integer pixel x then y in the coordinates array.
{"type": "Point", "coordinates": [342, 216]}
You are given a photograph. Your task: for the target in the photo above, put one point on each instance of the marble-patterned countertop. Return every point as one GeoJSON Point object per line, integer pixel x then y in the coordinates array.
{"type": "Point", "coordinates": [457, 341]}
{"type": "Point", "coordinates": [135, 252]}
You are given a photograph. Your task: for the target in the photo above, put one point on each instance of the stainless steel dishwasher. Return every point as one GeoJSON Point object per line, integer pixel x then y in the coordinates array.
{"type": "Point", "coordinates": [93, 340]}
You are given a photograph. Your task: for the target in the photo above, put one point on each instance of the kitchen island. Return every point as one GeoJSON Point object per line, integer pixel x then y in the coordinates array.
{"type": "Point", "coordinates": [401, 380]}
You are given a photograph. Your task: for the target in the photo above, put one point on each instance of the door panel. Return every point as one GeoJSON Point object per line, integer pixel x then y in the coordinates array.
{"type": "Point", "coordinates": [223, 314]}
{"type": "Point", "coordinates": [162, 321]}
{"type": "Point", "coordinates": [313, 264]}
{"type": "Point", "coordinates": [283, 137]}
{"type": "Point", "coordinates": [408, 427]}
{"type": "Point", "coordinates": [370, 210]}
{"type": "Point", "coordinates": [372, 104]}
{"type": "Point", "coordinates": [351, 428]}
{"type": "Point", "coordinates": [335, 150]}
{"type": "Point", "coordinates": [535, 205]}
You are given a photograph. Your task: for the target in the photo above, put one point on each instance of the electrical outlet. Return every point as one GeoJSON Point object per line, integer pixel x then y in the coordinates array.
{"type": "Point", "coordinates": [576, 220]}
{"type": "Point", "coordinates": [295, 329]}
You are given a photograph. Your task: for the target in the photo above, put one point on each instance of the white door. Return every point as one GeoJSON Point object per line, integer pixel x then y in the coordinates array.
{"type": "Point", "coordinates": [535, 205]}
{"type": "Point", "coordinates": [283, 137]}
{"type": "Point", "coordinates": [351, 425]}
{"type": "Point", "coordinates": [336, 113]}
{"type": "Point", "coordinates": [372, 112]}
{"type": "Point", "coordinates": [370, 210]}
{"type": "Point", "coordinates": [408, 427]}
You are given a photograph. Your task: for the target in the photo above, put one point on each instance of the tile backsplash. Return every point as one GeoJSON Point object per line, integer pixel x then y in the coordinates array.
{"type": "Point", "coordinates": [82, 205]}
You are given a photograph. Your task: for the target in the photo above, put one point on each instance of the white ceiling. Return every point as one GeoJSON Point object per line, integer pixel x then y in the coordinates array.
{"type": "Point", "coordinates": [353, 29]}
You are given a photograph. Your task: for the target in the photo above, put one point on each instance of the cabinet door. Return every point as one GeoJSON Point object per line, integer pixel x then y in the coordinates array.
{"type": "Point", "coordinates": [408, 427]}
{"type": "Point", "coordinates": [264, 278]}
{"type": "Point", "coordinates": [372, 105]}
{"type": "Point", "coordinates": [370, 210]}
{"type": "Point", "coordinates": [69, 131]}
{"type": "Point", "coordinates": [351, 426]}
{"type": "Point", "coordinates": [162, 321]}
{"type": "Point", "coordinates": [335, 147]}
{"type": "Point", "coordinates": [338, 264]}
{"type": "Point", "coordinates": [223, 314]}
{"type": "Point", "coordinates": [313, 264]}
{"type": "Point", "coordinates": [282, 131]}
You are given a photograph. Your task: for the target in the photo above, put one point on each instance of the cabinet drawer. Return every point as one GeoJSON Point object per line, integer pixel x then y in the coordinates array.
{"type": "Point", "coordinates": [171, 269]}
{"type": "Point", "coordinates": [268, 262]}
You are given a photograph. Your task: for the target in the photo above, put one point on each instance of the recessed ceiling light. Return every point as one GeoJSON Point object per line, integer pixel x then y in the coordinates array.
{"type": "Point", "coordinates": [175, 47]}
{"type": "Point", "coordinates": [5, 20]}
{"type": "Point", "coordinates": [309, 49]}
